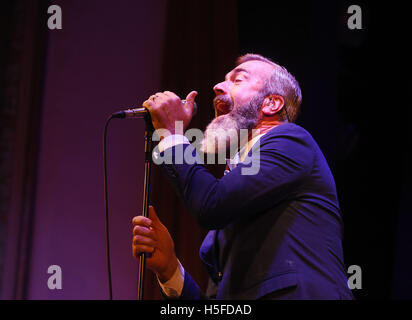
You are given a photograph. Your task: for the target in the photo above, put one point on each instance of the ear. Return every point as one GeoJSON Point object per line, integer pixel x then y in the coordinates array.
{"type": "Point", "coordinates": [272, 105]}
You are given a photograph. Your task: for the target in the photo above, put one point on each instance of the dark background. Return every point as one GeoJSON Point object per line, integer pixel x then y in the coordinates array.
{"type": "Point", "coordinates": [57, 87]}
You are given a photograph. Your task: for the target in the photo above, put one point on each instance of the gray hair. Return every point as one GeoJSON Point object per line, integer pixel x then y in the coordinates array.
{"type": "Point", "coordinates": [281, 83]}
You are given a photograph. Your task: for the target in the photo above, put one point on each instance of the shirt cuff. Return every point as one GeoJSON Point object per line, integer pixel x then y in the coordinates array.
{"type": "Point", "coordinates": [171, 141]}
{"type": "Point", "coordinates": [174, 286]}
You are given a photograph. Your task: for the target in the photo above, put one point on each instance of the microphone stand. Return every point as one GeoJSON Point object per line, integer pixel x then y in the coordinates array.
{"type": "Point", "coordinates": [148, 146]}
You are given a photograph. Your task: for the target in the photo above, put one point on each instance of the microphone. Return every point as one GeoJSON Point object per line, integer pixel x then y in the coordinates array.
{"type": "Point", "coordinates": [141, 112]}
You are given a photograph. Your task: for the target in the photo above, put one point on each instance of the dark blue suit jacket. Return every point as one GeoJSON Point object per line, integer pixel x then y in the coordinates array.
{"type": "Point", "coordinates": [276, 234]}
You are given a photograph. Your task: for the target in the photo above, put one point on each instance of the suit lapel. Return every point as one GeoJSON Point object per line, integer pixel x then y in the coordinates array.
{"type": "Point", "coordinates": [209, 254]}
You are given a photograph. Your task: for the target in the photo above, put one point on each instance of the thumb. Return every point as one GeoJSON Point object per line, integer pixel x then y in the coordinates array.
{"type": "Point", "coordinates": [190, 101]}
{"type": "Point", "coordinates": [153, 215]}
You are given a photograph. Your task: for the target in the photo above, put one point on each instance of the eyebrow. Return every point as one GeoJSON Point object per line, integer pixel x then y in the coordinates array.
{"type": "Point", "coordinates": [235, 71]}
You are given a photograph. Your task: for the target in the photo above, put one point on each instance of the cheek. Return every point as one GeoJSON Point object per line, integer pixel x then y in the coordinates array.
{"type": "Point", "coordinates": [243, 96]}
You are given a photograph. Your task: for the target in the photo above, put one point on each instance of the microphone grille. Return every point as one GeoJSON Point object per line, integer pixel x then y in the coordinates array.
{"type": "Point", "coordinates": [194, 106]}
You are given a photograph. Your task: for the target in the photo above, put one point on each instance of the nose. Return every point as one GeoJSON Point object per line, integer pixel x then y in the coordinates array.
{"type": "Point", "coordinates": [220, 88]}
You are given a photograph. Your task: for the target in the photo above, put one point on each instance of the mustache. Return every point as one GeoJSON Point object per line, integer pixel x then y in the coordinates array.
{"type": "Point", "coordinates": [224, 99]}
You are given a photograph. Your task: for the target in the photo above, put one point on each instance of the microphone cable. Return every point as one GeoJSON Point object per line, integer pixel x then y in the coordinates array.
{"type": "Point", "coordinates": [106, 207]}
{"type": "Point", "coordinates": [133, 113]}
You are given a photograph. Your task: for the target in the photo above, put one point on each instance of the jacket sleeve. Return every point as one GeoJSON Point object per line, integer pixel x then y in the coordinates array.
{"type": "Point", "coordinates": [278, 163]}
{"type": "Point", "coordinates": [191, 291]}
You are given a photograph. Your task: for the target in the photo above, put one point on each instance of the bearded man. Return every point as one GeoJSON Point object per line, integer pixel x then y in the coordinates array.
{"type": "Point", "coordinates": [275, 232]}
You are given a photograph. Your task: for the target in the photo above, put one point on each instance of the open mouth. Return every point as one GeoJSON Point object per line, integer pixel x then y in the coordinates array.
{"type": "Point", "coordinates": [222, 107]}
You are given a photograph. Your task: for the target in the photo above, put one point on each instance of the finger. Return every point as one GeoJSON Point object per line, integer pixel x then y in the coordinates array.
{"type": "Point", "coordinates": [137, 250]}
{"type": "Point", "coordinates": [152, 101]}
{"type": "Point", "coordinates": [148, 104]}
{"type": "Point", "coordinates": [144, 231]}
{"type": "Point", "coordinates": [141, 240]}
{"type": "Point", "coordinates": [190, 101]}
{"type": "Point", "coordinates": [191, 96]}
{"type": "Point", "coordinates": [142, 221]}
{"type": "Point", "coordinates": [153, 215]}
{"type": "Point", "coordinates": [171, 94]}
{"type": "Point", "coordinates": [160, 96]}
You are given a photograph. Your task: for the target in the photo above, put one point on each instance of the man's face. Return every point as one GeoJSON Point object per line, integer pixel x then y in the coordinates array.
{"type": "Point", "coordinates": [241, 85]}
{"type": "Point", "coordinates": [237, 103]}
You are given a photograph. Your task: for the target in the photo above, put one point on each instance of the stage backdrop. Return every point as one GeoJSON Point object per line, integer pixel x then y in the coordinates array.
{"type": "Point", "coordinates": [105, 58]}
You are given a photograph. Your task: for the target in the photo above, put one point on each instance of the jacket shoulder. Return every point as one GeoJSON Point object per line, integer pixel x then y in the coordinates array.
{"type": "Point", "coordinates": [289, 129]}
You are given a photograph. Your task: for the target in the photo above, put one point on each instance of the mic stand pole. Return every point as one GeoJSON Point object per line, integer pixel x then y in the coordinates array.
{"type": "Point", "coordinates": [147, 170]}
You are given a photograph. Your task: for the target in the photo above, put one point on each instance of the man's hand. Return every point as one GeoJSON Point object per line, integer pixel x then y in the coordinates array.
{"type": "Point", "coordinates": [166, 108]}
{"type": "Point", "coordinates": [151, 236]}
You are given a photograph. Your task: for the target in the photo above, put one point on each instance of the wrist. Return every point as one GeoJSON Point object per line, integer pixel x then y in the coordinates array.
{"type": "Point", "coordinates": [167, 274]}
{"type": "Point", "coordinates": [172, 140]}
{"type": "Point", "coordinates": [166, 133]}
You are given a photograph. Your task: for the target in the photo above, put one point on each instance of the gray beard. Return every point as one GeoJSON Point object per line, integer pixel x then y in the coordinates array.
{"type": "Point", "coordinates": [224, 134]}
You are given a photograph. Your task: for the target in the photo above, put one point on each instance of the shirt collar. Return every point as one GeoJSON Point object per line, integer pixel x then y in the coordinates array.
{"type": "Point", "coordinates": [240, 156]}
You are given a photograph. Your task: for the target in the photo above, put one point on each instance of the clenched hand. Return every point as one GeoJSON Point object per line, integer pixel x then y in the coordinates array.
{"type": "Point", "coordinates": [152, 237]}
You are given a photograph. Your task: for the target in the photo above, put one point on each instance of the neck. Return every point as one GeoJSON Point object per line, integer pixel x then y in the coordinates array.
{"type": "Point", "coordinates": [264, 126]}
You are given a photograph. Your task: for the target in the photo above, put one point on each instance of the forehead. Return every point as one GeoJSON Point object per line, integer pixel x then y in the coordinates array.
{"type": "Point", "coordinates": [254, 68]}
